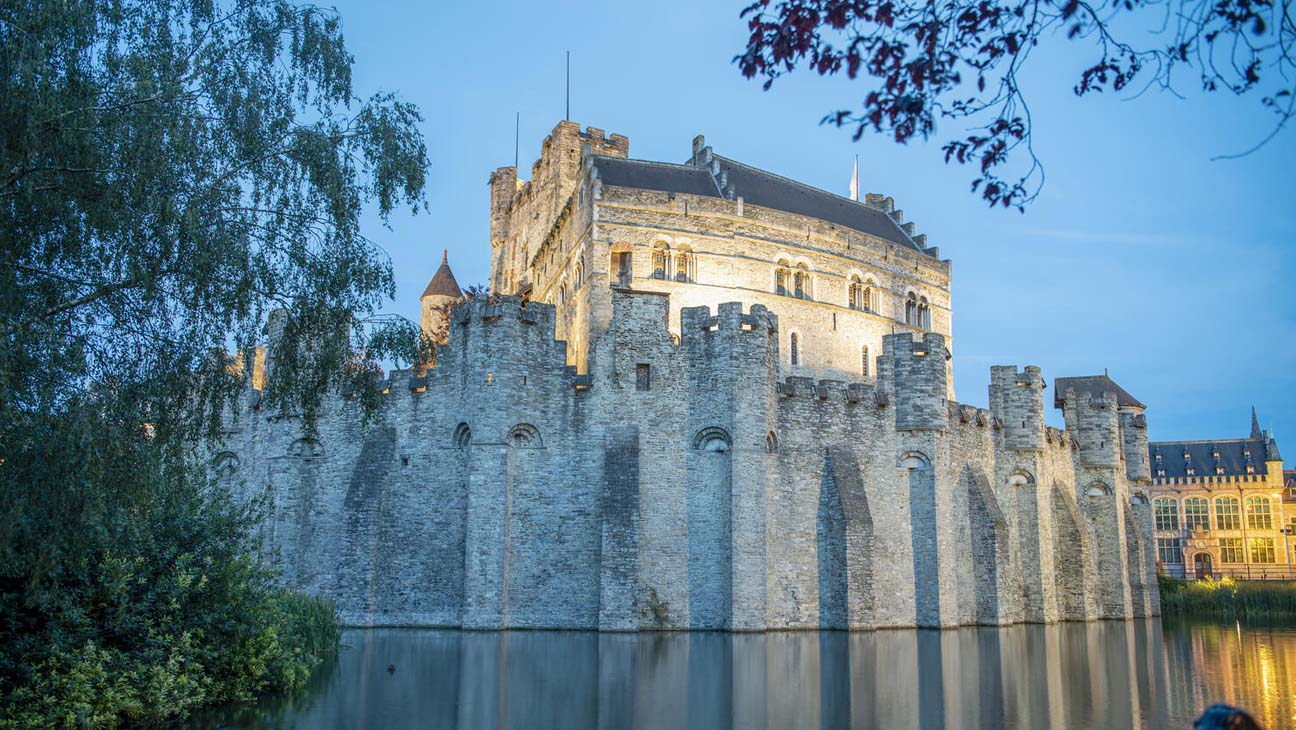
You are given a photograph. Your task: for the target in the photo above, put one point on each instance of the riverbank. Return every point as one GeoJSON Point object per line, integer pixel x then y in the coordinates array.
{"type": "Point", "coordinates": [1229, 599]}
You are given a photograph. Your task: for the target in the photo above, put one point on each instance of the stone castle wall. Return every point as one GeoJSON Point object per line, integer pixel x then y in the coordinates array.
{"type": "Point", "coordinates": [690, 484]}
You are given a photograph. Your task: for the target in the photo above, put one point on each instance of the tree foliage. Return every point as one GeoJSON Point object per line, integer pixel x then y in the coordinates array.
{"type": "Point", "coordinates": [960, 60]}
{"type": "Point", "coordinates": [171, 173]}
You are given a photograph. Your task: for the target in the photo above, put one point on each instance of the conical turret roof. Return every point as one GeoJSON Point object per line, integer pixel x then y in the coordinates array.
{"type": "Point", "coordinates": [443, 282]}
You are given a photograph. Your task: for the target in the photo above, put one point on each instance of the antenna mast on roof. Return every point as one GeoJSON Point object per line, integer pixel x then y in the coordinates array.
{"type": "Point", "coordinates": [567, 114]}
{"type": "Point", "coordinates": [517, 128]}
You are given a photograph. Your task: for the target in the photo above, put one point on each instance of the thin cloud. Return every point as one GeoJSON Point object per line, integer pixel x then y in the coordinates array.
{"type": "Point", "coordinates": [1131, 239]}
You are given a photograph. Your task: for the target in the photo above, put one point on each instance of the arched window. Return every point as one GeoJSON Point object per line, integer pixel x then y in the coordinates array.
{"type": "Point", "coordinates": [855, 297]}
{"type": "Point", "coordinates": [1097, 489]}
{"type": "Point", "coordinates": [801, 282]}
{"type": "Point", "coordinates": [793, 342]}
{"type": "Point", "coordinates": [781, 275]}
{"type": "Point", "coordinates": [661, 252]}
{"type": "Point", "coordinates": [524, 436]}
{"type": "Point", "coordinates": [225, 464]}
{"type": "Point", "coordinates": [771, 443]}
{"type": "Point", "coordinates": [306, 448]}
{"type": "Point", "coordinates": [462, 436]}
{"type": "Point", "coordinates": [713, 439]}
{"type": "Point", "coordinates": [1257, 513]}
{"type": "Point", "coordinates": [864, 360]}
{"type": "Point", "coordinates": [1228, 514]}
{"type": "Point", "coordinates": [683, 266]}
{"type": "Point", "coordinates": [911, 309]}
{"type": "Point", "coordinates": [1196, 513]}
{"type": "Point", "coordinates": [1166, 511]}
{"type": "Point", "coordinates": [866, 300]}
{"type": "Point", "coordinates": [924, 314]}
{"type": "Point", "coordinates": [580, 276]}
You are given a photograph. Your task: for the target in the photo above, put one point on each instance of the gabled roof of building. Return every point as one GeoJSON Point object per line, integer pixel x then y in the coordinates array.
{"type": "Point", "coordinates": [756, 187]}
{"type": "Point", "coordinates": [1092, 385]}
{"type": "Point", "coordinates": [1234, 455]}
{"type": "Point", "coordinates": [768, 190]}
{"type": "Point", "coordinates": [443, 282]}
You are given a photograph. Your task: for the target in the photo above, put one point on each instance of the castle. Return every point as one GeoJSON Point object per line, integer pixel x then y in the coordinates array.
{"type": "Point", "coordinates": [702, 396]}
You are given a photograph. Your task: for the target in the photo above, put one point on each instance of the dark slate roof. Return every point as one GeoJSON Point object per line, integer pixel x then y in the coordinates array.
{"type": "Point", "coordinates": [662, 176]}
{"type": "Point", "coordinates": [1093, 385]}
{"type": "Point", "coordinates": [443, 282]}
{"type": "Point", "coordinates": [757, 187]}
{"type": "Point", "coordinates": [768, 190]}
{"type": "Point", "coordinates": [1289, 479]}
{"type": "Point", "coordinates": [1232, 456]}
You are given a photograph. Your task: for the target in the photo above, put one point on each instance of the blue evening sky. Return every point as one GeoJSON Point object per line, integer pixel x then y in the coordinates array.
{"type": "Point", "coordinates": [1142, 256]}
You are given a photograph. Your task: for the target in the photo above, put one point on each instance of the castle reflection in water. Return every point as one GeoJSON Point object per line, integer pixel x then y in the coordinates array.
{"type": "Point", "coordinates": [1113, 674]}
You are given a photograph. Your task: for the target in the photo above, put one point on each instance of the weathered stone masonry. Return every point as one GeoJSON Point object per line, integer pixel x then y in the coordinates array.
{"type": "Point", "coordinates": [676, 469]}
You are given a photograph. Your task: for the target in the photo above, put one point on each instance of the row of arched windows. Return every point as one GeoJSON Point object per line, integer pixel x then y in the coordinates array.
{"type": "Point", "coordinates": [861, 294]}
{"type": "Point", "coordinates": [677, 267]}
{"type": "Point", "coordinates": [1228, 515]}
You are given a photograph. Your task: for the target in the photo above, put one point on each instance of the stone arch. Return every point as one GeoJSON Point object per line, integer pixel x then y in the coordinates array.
{"type": "Point", "coordinates": [660, 259]}
{"type": "Point", "coordinates": [1135, 568]}
{"type": "Point", "coordinates": [710, 537]}
{"type": "Point", "coordinates": [990, 546]}
{"type": "Point", "coordinates": [685, 266]}
{"type": "Point", "coordinates": [306, 448]}
{"type": "Point", "coordinates": [1072, 554]}
{"type": "Point", "coordinates": [462, 437]}
{"type": "Point", "coordinates": [225, 464]}
{"type": "Point", "coordinates": [781, 274]}
{"type": "Point", "coordinates": [1139, 499]}
{"type": "Point", "coordinates": [1021, 478]}
{"type": "Point", "coordinates": [913, 460]}
{"type": "Point", "coordinates": [524, 436]}
{"type": "Point", "coordinates": [712, 438]}
{"type": "Point", "coordinates": [1098, 488]}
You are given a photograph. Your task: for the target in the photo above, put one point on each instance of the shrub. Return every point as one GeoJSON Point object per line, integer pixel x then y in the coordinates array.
{"type": "Point", "coordinates": [1229, 599]}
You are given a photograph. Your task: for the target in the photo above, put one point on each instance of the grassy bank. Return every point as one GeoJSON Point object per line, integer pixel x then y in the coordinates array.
{"type": "Point", "coordinates": [1229, 599]}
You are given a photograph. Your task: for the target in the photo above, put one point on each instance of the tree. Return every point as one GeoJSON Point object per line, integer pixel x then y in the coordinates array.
{"type": "Point", "coordinates": [959, 61]}
{"type": "Point", "coordinates": [171, 172]}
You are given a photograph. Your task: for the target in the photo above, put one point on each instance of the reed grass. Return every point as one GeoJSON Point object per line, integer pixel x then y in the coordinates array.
{"type": "Point", "coordinates": [1229, 599]}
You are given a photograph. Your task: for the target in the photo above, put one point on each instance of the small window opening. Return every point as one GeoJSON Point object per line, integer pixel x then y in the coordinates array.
{"type": "Point", "coordinates": [643, 376]}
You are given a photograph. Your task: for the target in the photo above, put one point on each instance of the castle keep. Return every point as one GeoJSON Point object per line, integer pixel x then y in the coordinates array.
{"type": "Point", "coordinates": [704, 397]}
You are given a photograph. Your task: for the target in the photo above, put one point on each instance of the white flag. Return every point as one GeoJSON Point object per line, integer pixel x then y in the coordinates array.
{"type": "Point", "coordinates": [854, 185]}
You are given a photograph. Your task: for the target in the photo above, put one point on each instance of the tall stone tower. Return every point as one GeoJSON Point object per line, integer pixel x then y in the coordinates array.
{"type": "Point", "coordinates": [440, 293]}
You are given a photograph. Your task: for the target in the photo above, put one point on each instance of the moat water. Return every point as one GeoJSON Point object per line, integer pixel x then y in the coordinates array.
{"type": "Point", "coordinates": [1115, 674]}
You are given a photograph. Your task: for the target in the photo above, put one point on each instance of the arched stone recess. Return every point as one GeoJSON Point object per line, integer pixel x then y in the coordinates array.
{"type": "Point", "coordinates": [552, 564]}
{"type": "Point", "coordinates": [1139, 586]}
{"type": "Point", "coordinates": [924, 525]}
{"type": "Point", "coordinates": [1073, 555]}
{"type": "Point", "coordinates": [990, 548]}
{"type": "Point", "coordinates": [1023, 494]}
{"type": "Point", "coordinates": [845, 544]}
{"type": "Point", "coordinates": [225, 464]}
{"type": "Point", "coordinates": [369, 570]}
{"type": "Point", "coordinates": [710, 536]}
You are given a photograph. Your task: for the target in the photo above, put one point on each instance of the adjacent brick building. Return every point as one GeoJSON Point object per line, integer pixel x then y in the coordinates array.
{"type": "Point", "coordinates": [703, 396]}
{"type": "Point", "coordinates": [1223, 507]}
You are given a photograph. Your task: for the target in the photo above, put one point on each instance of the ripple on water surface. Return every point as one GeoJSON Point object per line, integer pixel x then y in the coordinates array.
{"type": "Point", "coordinates": [1114, 674]}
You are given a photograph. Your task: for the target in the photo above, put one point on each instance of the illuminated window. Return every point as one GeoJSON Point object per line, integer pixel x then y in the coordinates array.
{"type": "Point", "coordinates": [801, 282]}
{"type": "Point", "coordinates": [924, 314]}
{"type": "Point", "coordinates": [1227, 514]}
{"type": "Point", "coordinates": [781, 275]}
{"type": "Point", "coordinates": [864, 360]}
{"type": "Point", "coordinates": [1231, 550]}
{"type": "Point", "coordinates": [683, 262]}
{"type": "Point", "coordinates": [1258, 515]}
{"type": "Point", "coordinates": [911, 309]}
{"type": "Point", "coordinates": [1168, 550]}
{"type": "Point", "coordinates": [1167, 513]}
{"type": "Point", "coordinates": [660, 254]}
{"type": "Point", "coordinates": [855, 298]}
{"type": "Point", "coordinates": [1196, 513]}
{"type": "Point", "coordinates": [1262, 550]}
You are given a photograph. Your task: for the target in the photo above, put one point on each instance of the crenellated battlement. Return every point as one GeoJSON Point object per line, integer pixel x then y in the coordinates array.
{"type": "Point", "coordinates": [730, 317]}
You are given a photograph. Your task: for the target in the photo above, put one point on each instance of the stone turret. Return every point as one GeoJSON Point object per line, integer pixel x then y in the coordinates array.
{"type": "Point", "coordinates": [1017, 400]}
{"type": "Point", "coordinates": [919, 373]}
{"type": "Point", "coordinates": [442, 292]}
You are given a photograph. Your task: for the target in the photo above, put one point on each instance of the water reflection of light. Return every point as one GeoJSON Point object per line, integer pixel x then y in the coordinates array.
{"type": "Point", "coordinates": [1113, 674]}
